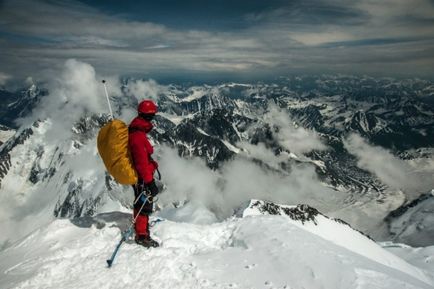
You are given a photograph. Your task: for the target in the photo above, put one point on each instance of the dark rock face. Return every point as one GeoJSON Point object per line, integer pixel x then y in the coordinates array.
{"type": "Point", "coordinates": [309, 116]}
{"type": "Point", "coordinates": [5, 158]}
{"type": "Point", "coordinates": [302, 213]}
{"type": "Point", "coordinates": [191, 142]}
{"type": "Point", "coordinates": [88, 126]}
{"type": "Point", "coordinates": [73, 205]}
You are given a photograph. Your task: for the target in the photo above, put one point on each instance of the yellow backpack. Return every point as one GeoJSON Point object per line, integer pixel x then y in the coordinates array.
{"type": "Point", "coordinates": [112, 145]}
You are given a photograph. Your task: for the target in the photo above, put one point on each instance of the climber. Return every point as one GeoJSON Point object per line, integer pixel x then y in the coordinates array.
{"type": "Point", "coordinates": [141, 153]}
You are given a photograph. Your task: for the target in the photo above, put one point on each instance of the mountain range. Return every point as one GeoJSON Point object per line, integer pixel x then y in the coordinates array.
{"type": "Point", "coordinates": [223, 122]}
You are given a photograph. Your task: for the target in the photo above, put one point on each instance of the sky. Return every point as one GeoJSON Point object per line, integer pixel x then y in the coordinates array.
{"type": "Point", "coordinates": [232, 39]}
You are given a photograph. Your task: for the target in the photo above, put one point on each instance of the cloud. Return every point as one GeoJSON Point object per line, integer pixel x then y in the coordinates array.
{"type": "Point", "coordinates": [73, 93]}
{"type": "Point", "coordinates": [290, 136]}
{"type": "Point", "coordinates": [277, 38]}
{"type": "Point", "coordinates": [4, 78]}
{"type": "Point", "coordinates": [144, 89]}
{"type": "Point", "coordinates": [394, 172]}
{"type": "Point", "coordinates": [238, 181]}
{"type": "Point", "coordinates": [260, 152]}
{"type": "Point", "coordinates": [29, 81]}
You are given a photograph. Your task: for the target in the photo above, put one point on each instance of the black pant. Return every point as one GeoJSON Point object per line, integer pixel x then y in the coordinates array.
{"type": "Point", "coordinates": [149, 205]}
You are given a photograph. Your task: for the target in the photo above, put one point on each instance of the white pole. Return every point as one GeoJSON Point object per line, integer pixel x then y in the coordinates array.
{"type": "Point", "coordinates": [108, 100]}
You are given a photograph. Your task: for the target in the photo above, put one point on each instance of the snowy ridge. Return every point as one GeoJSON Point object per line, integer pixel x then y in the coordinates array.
{"type": "Point", "coordinates": [335, 231]}
{"type": "Point", "coordinates": [414, 222]}
{"type": "Point", "coordinates": [5, 134]}
{"type": "Point", "coordinates": [256, 251]}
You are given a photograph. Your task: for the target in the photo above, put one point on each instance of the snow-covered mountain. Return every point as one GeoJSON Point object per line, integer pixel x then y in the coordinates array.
{"type": "Point", "coordinates": [413, 222]}
{"type": "Point", "coordinates": [304, 138]}
{"type": "Point", "coordinates": [268, 246]}
{"type": "Point", "coordinates": [340, 143]}
{"type": "Point", "coordinates": [18, 104]}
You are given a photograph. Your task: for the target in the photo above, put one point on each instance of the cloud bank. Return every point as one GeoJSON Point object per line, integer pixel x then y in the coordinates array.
{"type": "Point", "coordinates": [387, 37]}
{"type": "Point", "coordinates": [394, 172]}
{"type": "Point", "coordinates": [223, 191]}
{"type": "Point", "coordinates": [290, 136]}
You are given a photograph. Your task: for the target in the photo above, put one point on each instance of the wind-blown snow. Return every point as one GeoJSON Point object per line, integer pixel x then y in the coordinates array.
{"type": "Point", "coordinates": [251, 252]}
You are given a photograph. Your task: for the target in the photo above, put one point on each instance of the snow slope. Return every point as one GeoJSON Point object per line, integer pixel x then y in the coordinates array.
{"type": "Point", "coordinates": [422, 257]}
{"type": "Point", "coordinates": [5, 134]}
{"type": "Point", "coordinates": [414, 222]}
{"type": "Point", "coordinates": [255, 251]}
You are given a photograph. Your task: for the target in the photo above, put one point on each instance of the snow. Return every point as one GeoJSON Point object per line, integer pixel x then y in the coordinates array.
{"type": "Point", "coordinates": [196, 93]}
{"type": "Point", "coordinates": [6, 134]}
{"type": "Point", "coordinates": [415, 224]}
{"type": "Point", "coordinates": [202, 131]}
{"type": "Point", "coordinates": [175, 119]}
{"type": "Point", "coordinates": [422, 257]}
{"type": "Point", "coordinates": [26, 204]}
{"type": "Point", "coordinates": [235, 84]}
{"type": "Point", "coordinates": [256, 251]}
{"type": "Point", "coordinates": [231, 147]}
{"type": "Point", "coordinates": [319, 164]}
{"type": "Point", "coordinates": [342, 235]}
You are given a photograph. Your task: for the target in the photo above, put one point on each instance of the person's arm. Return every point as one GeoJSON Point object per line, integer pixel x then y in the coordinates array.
{"type": "Point", "coordinates": [140, 157]}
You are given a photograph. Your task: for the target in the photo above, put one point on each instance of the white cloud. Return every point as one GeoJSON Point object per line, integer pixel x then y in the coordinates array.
{"type": "Point", "coordinates": [144, 89]}
{"type": "Point", "coordinates": [238, 181]}
{"type": "Point", "coordinates": [394, 172]}
{"type": "Point", "coordinates": [293, 138]}
{"type": "Point", "coordinates": [333, 34]}
{"type": "Point", "coordinates": [73, 92]}
{"type": "Point", "coordinates": [275, 42]}
{"type": "Point", "coordinates": [260, 152]}
{"type": "Point", "coordinates": [4, 78]}
{"type": "Point", "coordinates": [29, 81]}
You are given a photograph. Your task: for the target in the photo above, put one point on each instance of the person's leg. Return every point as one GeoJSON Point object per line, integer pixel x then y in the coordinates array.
{"type": "Point", "coordinates": [142, 220]}
{"type": "Point", "coordinates": [141, 226]}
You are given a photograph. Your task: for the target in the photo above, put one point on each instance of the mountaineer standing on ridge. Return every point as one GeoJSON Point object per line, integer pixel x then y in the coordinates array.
{"type": "Point", "coordinates": [141, 153]}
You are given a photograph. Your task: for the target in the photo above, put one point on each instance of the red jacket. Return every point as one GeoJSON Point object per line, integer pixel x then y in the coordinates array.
{"type": "Point", "coordinates": [141, 149]}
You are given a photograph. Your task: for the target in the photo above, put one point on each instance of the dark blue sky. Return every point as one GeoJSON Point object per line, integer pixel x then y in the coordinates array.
{"type": "Point", "coordinates": [244, 39]}
{"type": "Point", "coordinates": [214, 15]}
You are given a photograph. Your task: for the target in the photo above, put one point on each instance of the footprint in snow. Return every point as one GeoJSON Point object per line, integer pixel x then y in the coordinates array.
{"type": "Point", "coordinates": [251, 266]}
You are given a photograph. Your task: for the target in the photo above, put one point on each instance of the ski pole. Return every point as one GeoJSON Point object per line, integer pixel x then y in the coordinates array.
{"type": "Point", "coordinates": [108, 100]}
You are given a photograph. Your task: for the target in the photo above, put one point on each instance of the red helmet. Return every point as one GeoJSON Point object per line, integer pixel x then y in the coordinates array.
{"type": "Point", "coordinates": [147, 107]}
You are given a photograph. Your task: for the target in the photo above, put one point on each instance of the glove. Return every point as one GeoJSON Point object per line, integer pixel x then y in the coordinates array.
{"type": "Point", "coordinates": [152, 188]}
